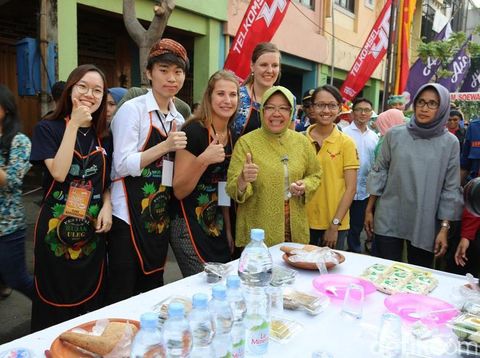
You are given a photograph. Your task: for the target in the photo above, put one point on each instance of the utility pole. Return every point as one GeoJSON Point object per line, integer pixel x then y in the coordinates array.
{"type": "Point", "coordinates": [332, 66]}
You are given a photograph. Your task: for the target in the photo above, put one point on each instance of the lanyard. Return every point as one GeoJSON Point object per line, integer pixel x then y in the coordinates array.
{"type": "Point", "coordinates": [87, 155]}
{"type": "Point", "coordinates": [286, 180]}
{"type": "Point", "coordinates": [161, 119]}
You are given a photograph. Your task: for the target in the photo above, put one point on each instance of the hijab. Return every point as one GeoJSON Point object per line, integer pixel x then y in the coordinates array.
{"type": "Point", "coordinates": [437, 126]}
{"type": "Point", "coordinates": [291, 100]}
{"type": "Point", "coordinates": [117, 93]}
{"type": "Point", "coordinates": [388, 119]}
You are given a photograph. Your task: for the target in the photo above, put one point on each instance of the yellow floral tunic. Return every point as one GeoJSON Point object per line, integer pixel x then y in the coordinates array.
{"type": "Point", "coordinates": [262, 204]}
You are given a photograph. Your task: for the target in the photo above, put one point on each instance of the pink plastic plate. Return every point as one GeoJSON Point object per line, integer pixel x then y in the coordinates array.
{"type": "Point", "coordinates": [335, 285]}
{"type": "Point", "coordinates": [413, 307]}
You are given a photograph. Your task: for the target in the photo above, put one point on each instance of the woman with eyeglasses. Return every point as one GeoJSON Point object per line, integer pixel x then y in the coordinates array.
{"type": "Point", "coordinates": [265, 71]}
{"type": "Point", "coordinates": [73, 146]}
{"type": "Point", "coordinates": [201, 226]}
{"type": "Point", "coordinates": [272, 174]}
{"type": "Point", "coordinates": [414, 184]}
{"type": "Point", "coordinates": [328, 215]}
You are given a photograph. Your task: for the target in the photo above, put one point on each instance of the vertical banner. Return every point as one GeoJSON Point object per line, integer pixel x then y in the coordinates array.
{"type": "Point", "coordinates": [459, 66]}
{"type": "Point", "coordinates": [421, 73]}
{"type": "Point", "coordinates": [370, 55]}
{"type": "Point", "coordinates": [403, 62]}
{"type": "Point", "coordinates": [259, 24]}
{"type": "Point", "coordinates": [472, 81]}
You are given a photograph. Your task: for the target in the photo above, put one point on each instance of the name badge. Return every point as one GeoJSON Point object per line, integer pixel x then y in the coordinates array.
{"type": "Point", "coordinates": [223, 198]}
{"type": "Point", "coordinates": [167, 173]}
{"type": "Point", "coordinates": [79, 195]}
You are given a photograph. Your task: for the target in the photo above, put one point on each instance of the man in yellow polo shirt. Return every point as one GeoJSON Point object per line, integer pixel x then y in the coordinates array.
{"type": "Point", "coordinates": [327, 210]}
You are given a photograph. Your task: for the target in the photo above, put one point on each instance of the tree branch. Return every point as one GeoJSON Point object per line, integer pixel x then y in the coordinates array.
{"type": "Point", "coordinates": [162, 12]}
{"type": "Point", "coordinates": [134, 27]}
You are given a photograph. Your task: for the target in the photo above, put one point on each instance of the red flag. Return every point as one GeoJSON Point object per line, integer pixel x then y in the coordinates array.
{"type": "Point", "coordinates": [403, 63]}
{"type": "Point", "coordinates": [370, 55]}
{"type": "Point", "coordinates": [259, 24]}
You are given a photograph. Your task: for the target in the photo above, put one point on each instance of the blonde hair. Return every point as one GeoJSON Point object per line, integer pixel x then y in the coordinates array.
{"type": "Point", "coordinates": [205, 114]}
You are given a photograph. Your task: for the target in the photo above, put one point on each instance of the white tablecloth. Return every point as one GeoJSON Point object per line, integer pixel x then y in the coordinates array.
{"type": "Point", "coordinates": [329, 331]}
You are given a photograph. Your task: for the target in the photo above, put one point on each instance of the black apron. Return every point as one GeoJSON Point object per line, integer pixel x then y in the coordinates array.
{"type": "Point", "coordinates": [148, 205]}
{"type": "Point", "coordinates": [253, 120]}
{"type": "Point", "coordinates": [204, 218]}
{"type": "Point", "coordinates": [69, 255]}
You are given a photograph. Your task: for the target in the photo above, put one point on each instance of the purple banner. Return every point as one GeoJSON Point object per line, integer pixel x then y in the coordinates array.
{"type": "Point", "coordinates": [459, 66]}
{"type": "Point", "coordinates": [472, 82]}
{"type": "Point", "coordinates": [421, 73]}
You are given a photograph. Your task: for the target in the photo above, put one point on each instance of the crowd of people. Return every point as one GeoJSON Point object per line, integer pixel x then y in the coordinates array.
{"type": "Point", "coordinates": [128, 173]}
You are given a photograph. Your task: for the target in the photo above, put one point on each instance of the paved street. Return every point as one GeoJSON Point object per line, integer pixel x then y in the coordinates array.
{"type": "Point", "coordinates": [15, 310]}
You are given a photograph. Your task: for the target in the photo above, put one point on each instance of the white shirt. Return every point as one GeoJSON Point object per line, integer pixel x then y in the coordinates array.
{"type": "Point", "coordinates": [130, 127]}
{"type": "Point", "coordinates": [366, 143]}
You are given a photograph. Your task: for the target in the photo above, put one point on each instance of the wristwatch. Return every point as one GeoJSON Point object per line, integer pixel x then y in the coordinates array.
{"type": "Point", "coordinates": [445, 224]}
{"type": "Point", "coordinates": [336, 221]}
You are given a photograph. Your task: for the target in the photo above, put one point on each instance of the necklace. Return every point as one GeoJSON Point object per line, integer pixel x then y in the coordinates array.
{"type": "Point", "coordinates": [86, 132]}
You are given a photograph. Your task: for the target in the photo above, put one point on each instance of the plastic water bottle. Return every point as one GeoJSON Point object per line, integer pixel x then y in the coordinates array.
{"type": "Point", "coordinates": [202, 327]}
{"type": "Point", "coordinates": [177, 337]}
{"type": "Point", "coordinates": [223, 318]}
{"type": "Point", "coordinates": [255, 271]}
{"type": "Point", "coordinates": [239, 308]}
{"type": "Point", "coordinates": [255, 265]}
{"type": "Point", "coordinates": [148, 341]}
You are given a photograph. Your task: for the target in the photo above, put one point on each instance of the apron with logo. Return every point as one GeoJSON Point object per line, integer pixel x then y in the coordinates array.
{"type": "Point", "coordinates": [69, 255]}
{"type": "Point", "coordinates": [148, 203]}
{"type": "Point", "coordinates": [203, 216]}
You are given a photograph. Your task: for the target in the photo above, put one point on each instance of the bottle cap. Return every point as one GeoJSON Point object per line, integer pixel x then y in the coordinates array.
{"type": "Point", "coordinates": [199, 300]}
{"type": "Point", "coordinates": [175, 309]}
{"type": "Point", "coordinates": [257, 234]}
{"type": "Point", "coordinates": [233, 281]}
{"type": "Point", "coordinates": [219, 292]}
{"type": "Point", "coordinates": [148, 320]}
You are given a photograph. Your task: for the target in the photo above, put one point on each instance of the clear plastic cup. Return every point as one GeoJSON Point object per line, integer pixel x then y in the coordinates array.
{"type": "Point", "coordinates": [353, 301]}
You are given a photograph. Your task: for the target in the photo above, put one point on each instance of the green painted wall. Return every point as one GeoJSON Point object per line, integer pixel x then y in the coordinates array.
{"type": "Point", "coordinates": [67, 37]}
{"type": "Point", "coordinates": [207, 54]}
{"type": "Point", "coordinates": [203, 18]}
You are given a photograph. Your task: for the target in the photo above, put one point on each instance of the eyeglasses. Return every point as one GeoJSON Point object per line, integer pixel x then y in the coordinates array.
{"type": "Point", "coordinates": [430, 104]}
{"type": "Point", "coordinates": [320, 106]}
{"type": "Point", "coordinates": [362, 110]}
{"type": "Point", "coordinates": [281, 109]}
{"type": "Point", "coordinates": [83, 89]}
{"type": "Point", "coordinates": [306, 105]}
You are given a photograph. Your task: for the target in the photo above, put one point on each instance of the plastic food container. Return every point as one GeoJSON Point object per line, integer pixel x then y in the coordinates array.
{"type": "Point", "coordinates": [282, 330]}
{"type": "Point", "coordinates": [215, 271]}
{"type": "Point", "coordinates": [282, 276]}
{"type": "Point", "coordinates": [313, 304]}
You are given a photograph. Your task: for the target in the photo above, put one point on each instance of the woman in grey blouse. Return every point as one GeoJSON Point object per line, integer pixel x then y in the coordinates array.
{"type": "Point", "coordinates": [415, 183]}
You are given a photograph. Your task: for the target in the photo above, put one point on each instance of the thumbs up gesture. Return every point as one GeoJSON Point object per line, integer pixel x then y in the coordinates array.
{"type": "Point", "coordinates": [249, 173]}
{"type": "Point", "coordinates": [215, 153]}
{"type": "Point", "coordinates": [176, 140]}
{"type": "Point", "coordinates": [81, 115]}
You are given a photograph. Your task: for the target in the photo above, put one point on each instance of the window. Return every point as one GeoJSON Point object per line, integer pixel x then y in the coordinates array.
{"type": "Point", "coordinates": [307, 3]}
{"type": "Point", "coordinates": [346, 4]}
{"type": "Point", "coordinates": [370, 4]}
{"type": "Point", "coordinates": [428, 14]}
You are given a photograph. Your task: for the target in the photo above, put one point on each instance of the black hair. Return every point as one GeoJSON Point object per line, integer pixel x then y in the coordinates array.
{"type": "Point", "coordinates": [57, 90]}
{"type": "Point", "coordinates": [330, 89]}
{"type": "Point", "coordinates": [11, 122]}
{"type": "Point", "coordinates": [170, 59]}
{"type": "Point", "coordinates": [361, 99]}
{"type": "Point", "coordinates": [456, 112]}
{"type": "Point", "coordinates": [195, 106]}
